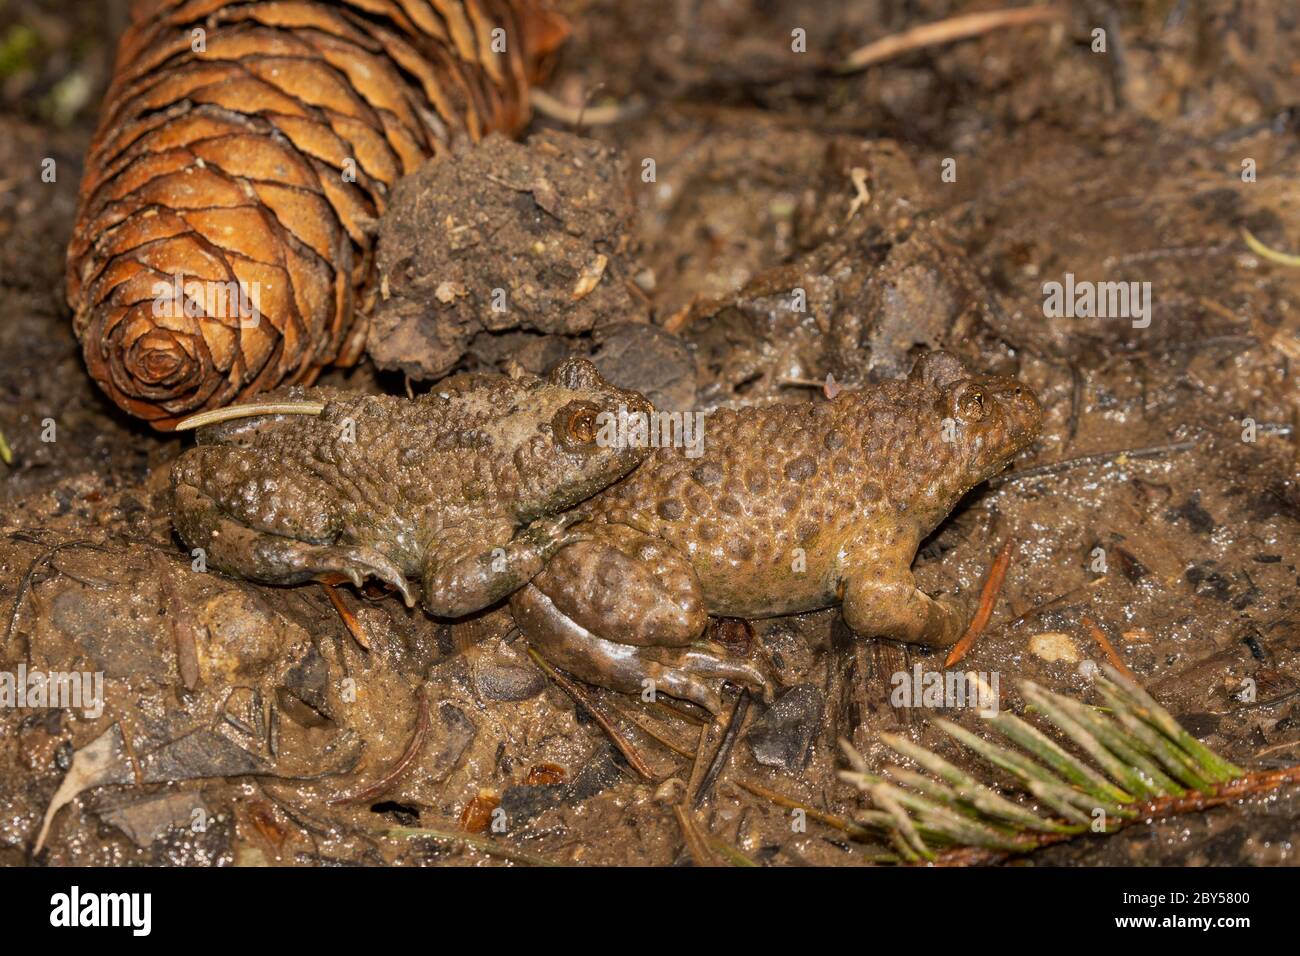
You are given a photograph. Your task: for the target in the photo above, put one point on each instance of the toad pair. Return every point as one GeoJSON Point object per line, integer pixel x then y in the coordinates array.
{"type": "Point", "coordinates": [613, 556]}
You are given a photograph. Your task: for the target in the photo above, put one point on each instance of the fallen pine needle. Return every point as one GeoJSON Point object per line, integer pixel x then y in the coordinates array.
{"type": "Point", "coordinates": [1112, 655]}
{"type": "Point", "coordinates": [588, 703]}
{"type": "Point", "coordinates": [781, 800]}
{"type": "Point", "coordinates": [947, 31]}
{"type": "Point", "coordinates": [988, 598]}
{"type": "Point", "coordinates": [696, 842]}
{"type": "Point", "coordinates": [584, 116]}
{"type": "Point", "coordinates": [349, 619]}
{"type": "Point", "coordinates": [730, 853]}
{"type": "Point", "coordinates": [1272, 255]}
{"type": "Point", "coordinates": [724, 749]}
{"type": "Point", "coordinates": [230, 413]}
{"type": "Point", "coordinates": [1096, 458]}
{"type": "Point", "coordinates": [655, 731]}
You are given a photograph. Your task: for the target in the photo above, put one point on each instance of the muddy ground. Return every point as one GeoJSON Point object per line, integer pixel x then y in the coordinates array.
{"type": "Point", "coordinates": [238, 715]}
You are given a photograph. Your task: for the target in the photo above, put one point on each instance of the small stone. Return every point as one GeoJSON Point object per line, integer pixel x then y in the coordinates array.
{"type": "Point", "coordinates": [670, 791]}
{"type": "Point", "coordinates": [447, 292]}
{"type": "Point", "coordinates": [783, 736]}
{"type": "Point", "coordinates": [590, 277]}
{"type": "Point", "coordinates": [454, 733]}
{"type": "Point", "coordinates": [1053, 646]}
{"type": "Point", "coordinates": [496, 681]}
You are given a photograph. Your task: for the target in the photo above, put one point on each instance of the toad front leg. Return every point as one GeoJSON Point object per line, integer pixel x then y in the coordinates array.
{"type": "Point", "coordinates": [291, 545]}
{"type": "Point", "coordinates": [624, 611]}
{"type": "Point", "coordinates": [462, 576]}
{"type": "Point", "coordinates": [884, 601]}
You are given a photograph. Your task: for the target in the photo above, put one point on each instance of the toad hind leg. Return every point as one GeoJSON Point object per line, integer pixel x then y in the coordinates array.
{"type": "Point", "coordinates": [620, 609]}
{"type": "Point", "coordinates": [273, 558]}
{"type": "Point", "coordinates": [689, 673]}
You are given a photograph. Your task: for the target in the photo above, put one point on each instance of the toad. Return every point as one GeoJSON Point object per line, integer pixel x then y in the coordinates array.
{"type": "Point", "coordinates": [465, 487]}
{"type": "Point", "coordinates": [789, 508]}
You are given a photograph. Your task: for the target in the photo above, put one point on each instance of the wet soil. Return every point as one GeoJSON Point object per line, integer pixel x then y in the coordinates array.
{"type": "Point", "coordinates": [244, 725]}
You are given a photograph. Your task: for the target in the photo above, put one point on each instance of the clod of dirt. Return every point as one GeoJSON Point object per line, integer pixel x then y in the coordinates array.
{"type": "Point", "coordinates": [879, 282]}
{"type": "Point", "coordinates": [525, 801]}
{"type": "Point", "coordinates": [648, 360]}
{"type": "Point", "coordinates": [501, 236]}
{"type": "Point", "coordinates": [454, 731]}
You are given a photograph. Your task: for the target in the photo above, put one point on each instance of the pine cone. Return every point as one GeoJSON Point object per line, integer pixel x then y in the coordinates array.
{"type": "Point", "coordinates": [244, 152]}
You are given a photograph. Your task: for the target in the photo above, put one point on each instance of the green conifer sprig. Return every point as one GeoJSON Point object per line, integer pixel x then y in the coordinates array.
{"type": "Point", "coordinates": [1133, 761]}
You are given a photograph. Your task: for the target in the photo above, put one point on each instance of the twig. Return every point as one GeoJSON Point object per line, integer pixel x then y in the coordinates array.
{"type": "Point", "coordinates": [1151, 451]}
{"type": "Point", "coordinates": [1100, 637]}
{"type": "Point", "coordinates": [724, 749]}
{"type": "Point", "coordinates": [947, 31]}
{"type": "Point", "coordinates": [588, 703]}
{"type": "Point", "coordinates": [801, 383]}
{"type": "Point", "coordinates": [403, 763]}
{"type": "Point", "coordinates": [1248, 785]}
{"type": "Point", "coordinates": [988, 598]}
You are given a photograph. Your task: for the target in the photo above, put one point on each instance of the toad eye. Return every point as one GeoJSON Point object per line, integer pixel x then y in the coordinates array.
{"type": "Point", "coordinates": [576, 424]}
{"type": "Point", "coordinates": [582, 426]}
{"type": "Point", "coordinates": [970, 404]}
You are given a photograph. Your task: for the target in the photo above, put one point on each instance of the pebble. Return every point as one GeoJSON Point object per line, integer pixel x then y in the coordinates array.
{"type": "Point", "coordinates": [1054, 646]}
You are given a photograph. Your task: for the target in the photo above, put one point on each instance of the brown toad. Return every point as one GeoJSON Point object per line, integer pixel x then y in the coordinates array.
{"type": "Point", "coordinates": [789, 508]}
{"type": "Point", "coordinates": [384, 487]}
